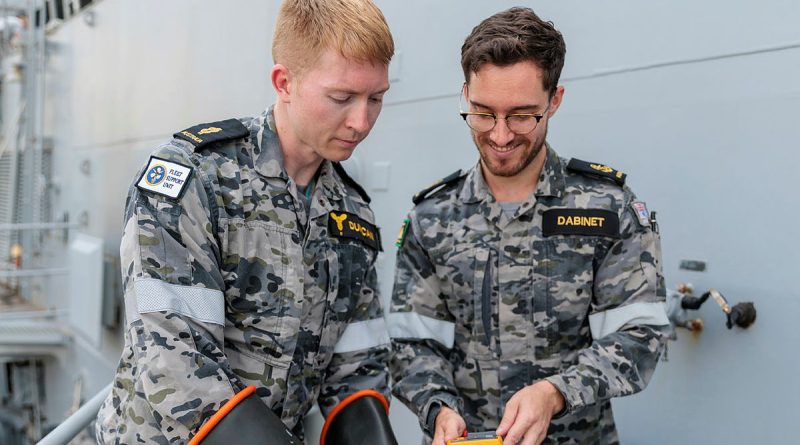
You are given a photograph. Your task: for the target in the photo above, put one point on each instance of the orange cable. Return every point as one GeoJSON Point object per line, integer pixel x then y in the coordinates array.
{"type": "Point", "coordinates": [205, 430]}
{"type": "Point", "coordinates": [343, 404]}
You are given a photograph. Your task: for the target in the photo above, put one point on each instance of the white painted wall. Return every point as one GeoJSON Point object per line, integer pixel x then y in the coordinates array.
{"type": "Point", "coordinates": [695, 100]}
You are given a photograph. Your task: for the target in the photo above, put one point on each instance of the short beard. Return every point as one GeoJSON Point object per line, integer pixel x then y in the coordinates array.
{"type": "Point", "coordinates": [514, 170]}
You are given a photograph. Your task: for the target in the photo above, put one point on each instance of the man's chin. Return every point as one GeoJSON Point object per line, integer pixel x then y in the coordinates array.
{"type": "Point", "coordinates": [503, 169]}
{"type": "Point", "coordinates": [503, 172]}
{"type": "Point", "coordinates": [338, 154]}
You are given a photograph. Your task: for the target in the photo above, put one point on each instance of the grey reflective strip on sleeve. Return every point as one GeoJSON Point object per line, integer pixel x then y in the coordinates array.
{"type": "Point", "coordinates": [607, 322]}
{"type": "Point", "coordinates": [131, 314]}
{"type": "Point", "coordinates": [410, 325]}
{"type": "Point", "coordinates": [363, 335]}
{"type": "Point", "coordinates": [151, 295]}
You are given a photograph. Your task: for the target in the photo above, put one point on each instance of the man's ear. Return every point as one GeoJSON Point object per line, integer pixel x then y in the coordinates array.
{"type": "Point", "coordinates": [555, 101]}
{"type": "Point", "coordinates": [282, 82]}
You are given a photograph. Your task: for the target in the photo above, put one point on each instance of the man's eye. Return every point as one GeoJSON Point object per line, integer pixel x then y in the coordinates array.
{"type": "Point", "coordinates": [376, 100]}
{"type": "Point", "coordinates": [519, 117]}
{"type": "Point", "coordinates": [340, 99]}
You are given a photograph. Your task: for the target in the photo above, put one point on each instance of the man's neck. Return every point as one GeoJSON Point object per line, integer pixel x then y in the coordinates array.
{"type": "Point", "coordinates": [300, 161]}
{"type": "Point", "coordinates": [519, 187]}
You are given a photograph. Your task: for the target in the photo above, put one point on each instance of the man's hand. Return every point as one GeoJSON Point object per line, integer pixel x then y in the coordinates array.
{"type": "Point", "coordinates": [448, 426]}
{"type": "Point", "coordinates": [527, 415]}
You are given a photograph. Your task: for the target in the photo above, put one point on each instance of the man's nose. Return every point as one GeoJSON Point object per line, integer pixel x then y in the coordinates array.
{"type": "Point", "coordinates": [501, 135]}
{"type": "Point", "coordinates": [358, 118]}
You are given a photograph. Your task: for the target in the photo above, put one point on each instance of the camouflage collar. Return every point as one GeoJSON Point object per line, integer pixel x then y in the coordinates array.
{"type": "Point", "coordinates": [475, 188]}
{"type": "Point", "coordinates": [330, 180]}
{"type": "Point", "coordinates": [269, 157]}
{"type": "Point", "coordinates": [551, 181]}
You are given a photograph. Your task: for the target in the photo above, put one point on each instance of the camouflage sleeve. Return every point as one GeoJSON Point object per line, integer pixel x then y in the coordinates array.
{"type": "Point", "coordinates": [174, 309]}
{"type": "Point", "coordinates": [361, 357]}
{"type": "Point", "coordinates": [628, 319]}
{"type": "Point", "coordinates": [422, 333]}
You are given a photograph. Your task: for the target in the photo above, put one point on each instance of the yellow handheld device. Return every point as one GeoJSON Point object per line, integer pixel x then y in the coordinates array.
{"type": "Point", "coordinates": [485, 438]}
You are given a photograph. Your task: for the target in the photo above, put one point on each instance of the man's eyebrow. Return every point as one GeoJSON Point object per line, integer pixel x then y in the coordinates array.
{"type": "Point", "coordinates": [349, 91]}
{"type": "Point", "coordinates": [517, 108]}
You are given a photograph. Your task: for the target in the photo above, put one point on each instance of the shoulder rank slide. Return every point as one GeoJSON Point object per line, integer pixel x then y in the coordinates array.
{"type": "Point", "coordinates": [427, 191]}
{"type": "Point", "coordinates": [350, 225]}
{"type": "Point", "coordinates": [600, 170]}
{"type": "Point", "coordinates": [164, 177]}
{"type": "Point", "coordinates": [204, 134]}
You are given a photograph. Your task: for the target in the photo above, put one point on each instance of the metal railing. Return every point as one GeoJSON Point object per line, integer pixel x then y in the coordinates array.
{"type": "Point", "coordinates": [75, 423]}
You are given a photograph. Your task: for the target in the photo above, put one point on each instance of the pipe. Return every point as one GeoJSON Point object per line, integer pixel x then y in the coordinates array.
{"type": "Point", "coordinates": [34, 272]}
{"type": "Point", "coordinates": [38, 226]}
{"type": "Point", "coordinates": [75, 423]}
{"type": "Point", "coordinates": [30, 315]}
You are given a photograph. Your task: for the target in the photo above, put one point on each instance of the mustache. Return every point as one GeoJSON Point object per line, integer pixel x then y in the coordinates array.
{"type": "Point", "coordinates": [513, 143]}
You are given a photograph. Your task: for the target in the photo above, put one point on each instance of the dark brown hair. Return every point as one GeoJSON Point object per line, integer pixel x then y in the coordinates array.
{"type": "Point", "coordinates": [511, 36]}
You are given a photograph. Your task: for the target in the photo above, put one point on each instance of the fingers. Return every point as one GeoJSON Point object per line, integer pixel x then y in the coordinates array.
{"type": "Point", "coordinates": [526, 433]}
{"type": "Point", "coordinates": [451, 432]}
{"type": "Point", "coordinates": [438, 437]}
{"type": "Point", "coordinates": [509, 416]}
{"type": "Point", "coordinates": [516, 433]}
{"type": "Point", "coordinates": [442, 434]}
{"type": "Point", "coordinates": [527, 415]}
{"type": "Point", "coordinates": [449, 426]}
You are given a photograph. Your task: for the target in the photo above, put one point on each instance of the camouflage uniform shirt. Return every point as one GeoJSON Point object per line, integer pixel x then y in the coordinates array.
{"type": "Point", "coordinates": [236, 283]}
{"type": "Point", "coordinates": [485, 304]}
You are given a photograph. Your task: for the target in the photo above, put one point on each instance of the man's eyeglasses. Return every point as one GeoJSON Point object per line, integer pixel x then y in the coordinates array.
{"type": "Point", "coordinates": [519, 123]}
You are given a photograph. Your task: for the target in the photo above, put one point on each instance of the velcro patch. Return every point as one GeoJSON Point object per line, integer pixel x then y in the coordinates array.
{"type": "Point", "coordinates": [350, 225]}
{"type": "Point", "coordinates": [592, 222]}
{"type": "Point", "coordinates": [165, 177]}
{"type": "Point", "coordinates": [640, 209]}
{"type": "Point", "coordinates": [402, 235]}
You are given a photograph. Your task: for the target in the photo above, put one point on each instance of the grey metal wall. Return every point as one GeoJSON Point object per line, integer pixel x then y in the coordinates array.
{"type": "Point", "coordinates": [116, 88]}
{"type": "Point", "coordinates": [695, 100]}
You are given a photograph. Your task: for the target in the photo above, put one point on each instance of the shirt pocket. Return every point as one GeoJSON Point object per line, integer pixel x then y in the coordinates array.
{"type": "Point", "coordinates": [562, 294]}
{"type": "Point", "coordinates": [472, 299]}
{"type": "Point", "coordinates": [261, 266]}
{"type": "Point", "coordinates": [163, 254]}
{"type": "Point", "coordinates": [348, 264]}
{"type": "Point", "coordinates": [351, 263]}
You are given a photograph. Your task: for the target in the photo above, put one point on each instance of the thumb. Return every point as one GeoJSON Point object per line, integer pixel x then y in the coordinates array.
{"type": "Point", "coordinates": [438, 437]}
{"type": "Point", "coordinates": [452, 431]}
{"type": "Point", "coordinates": [509, 416]}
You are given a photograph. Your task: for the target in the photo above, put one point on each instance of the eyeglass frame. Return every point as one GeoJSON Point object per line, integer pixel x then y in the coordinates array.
{"type": "Point", "coordinates": [495, 117]}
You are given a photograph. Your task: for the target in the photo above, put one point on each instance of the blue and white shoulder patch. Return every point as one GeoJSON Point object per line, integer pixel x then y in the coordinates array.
{"type": "Point", "coordinates": [164, 177]}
